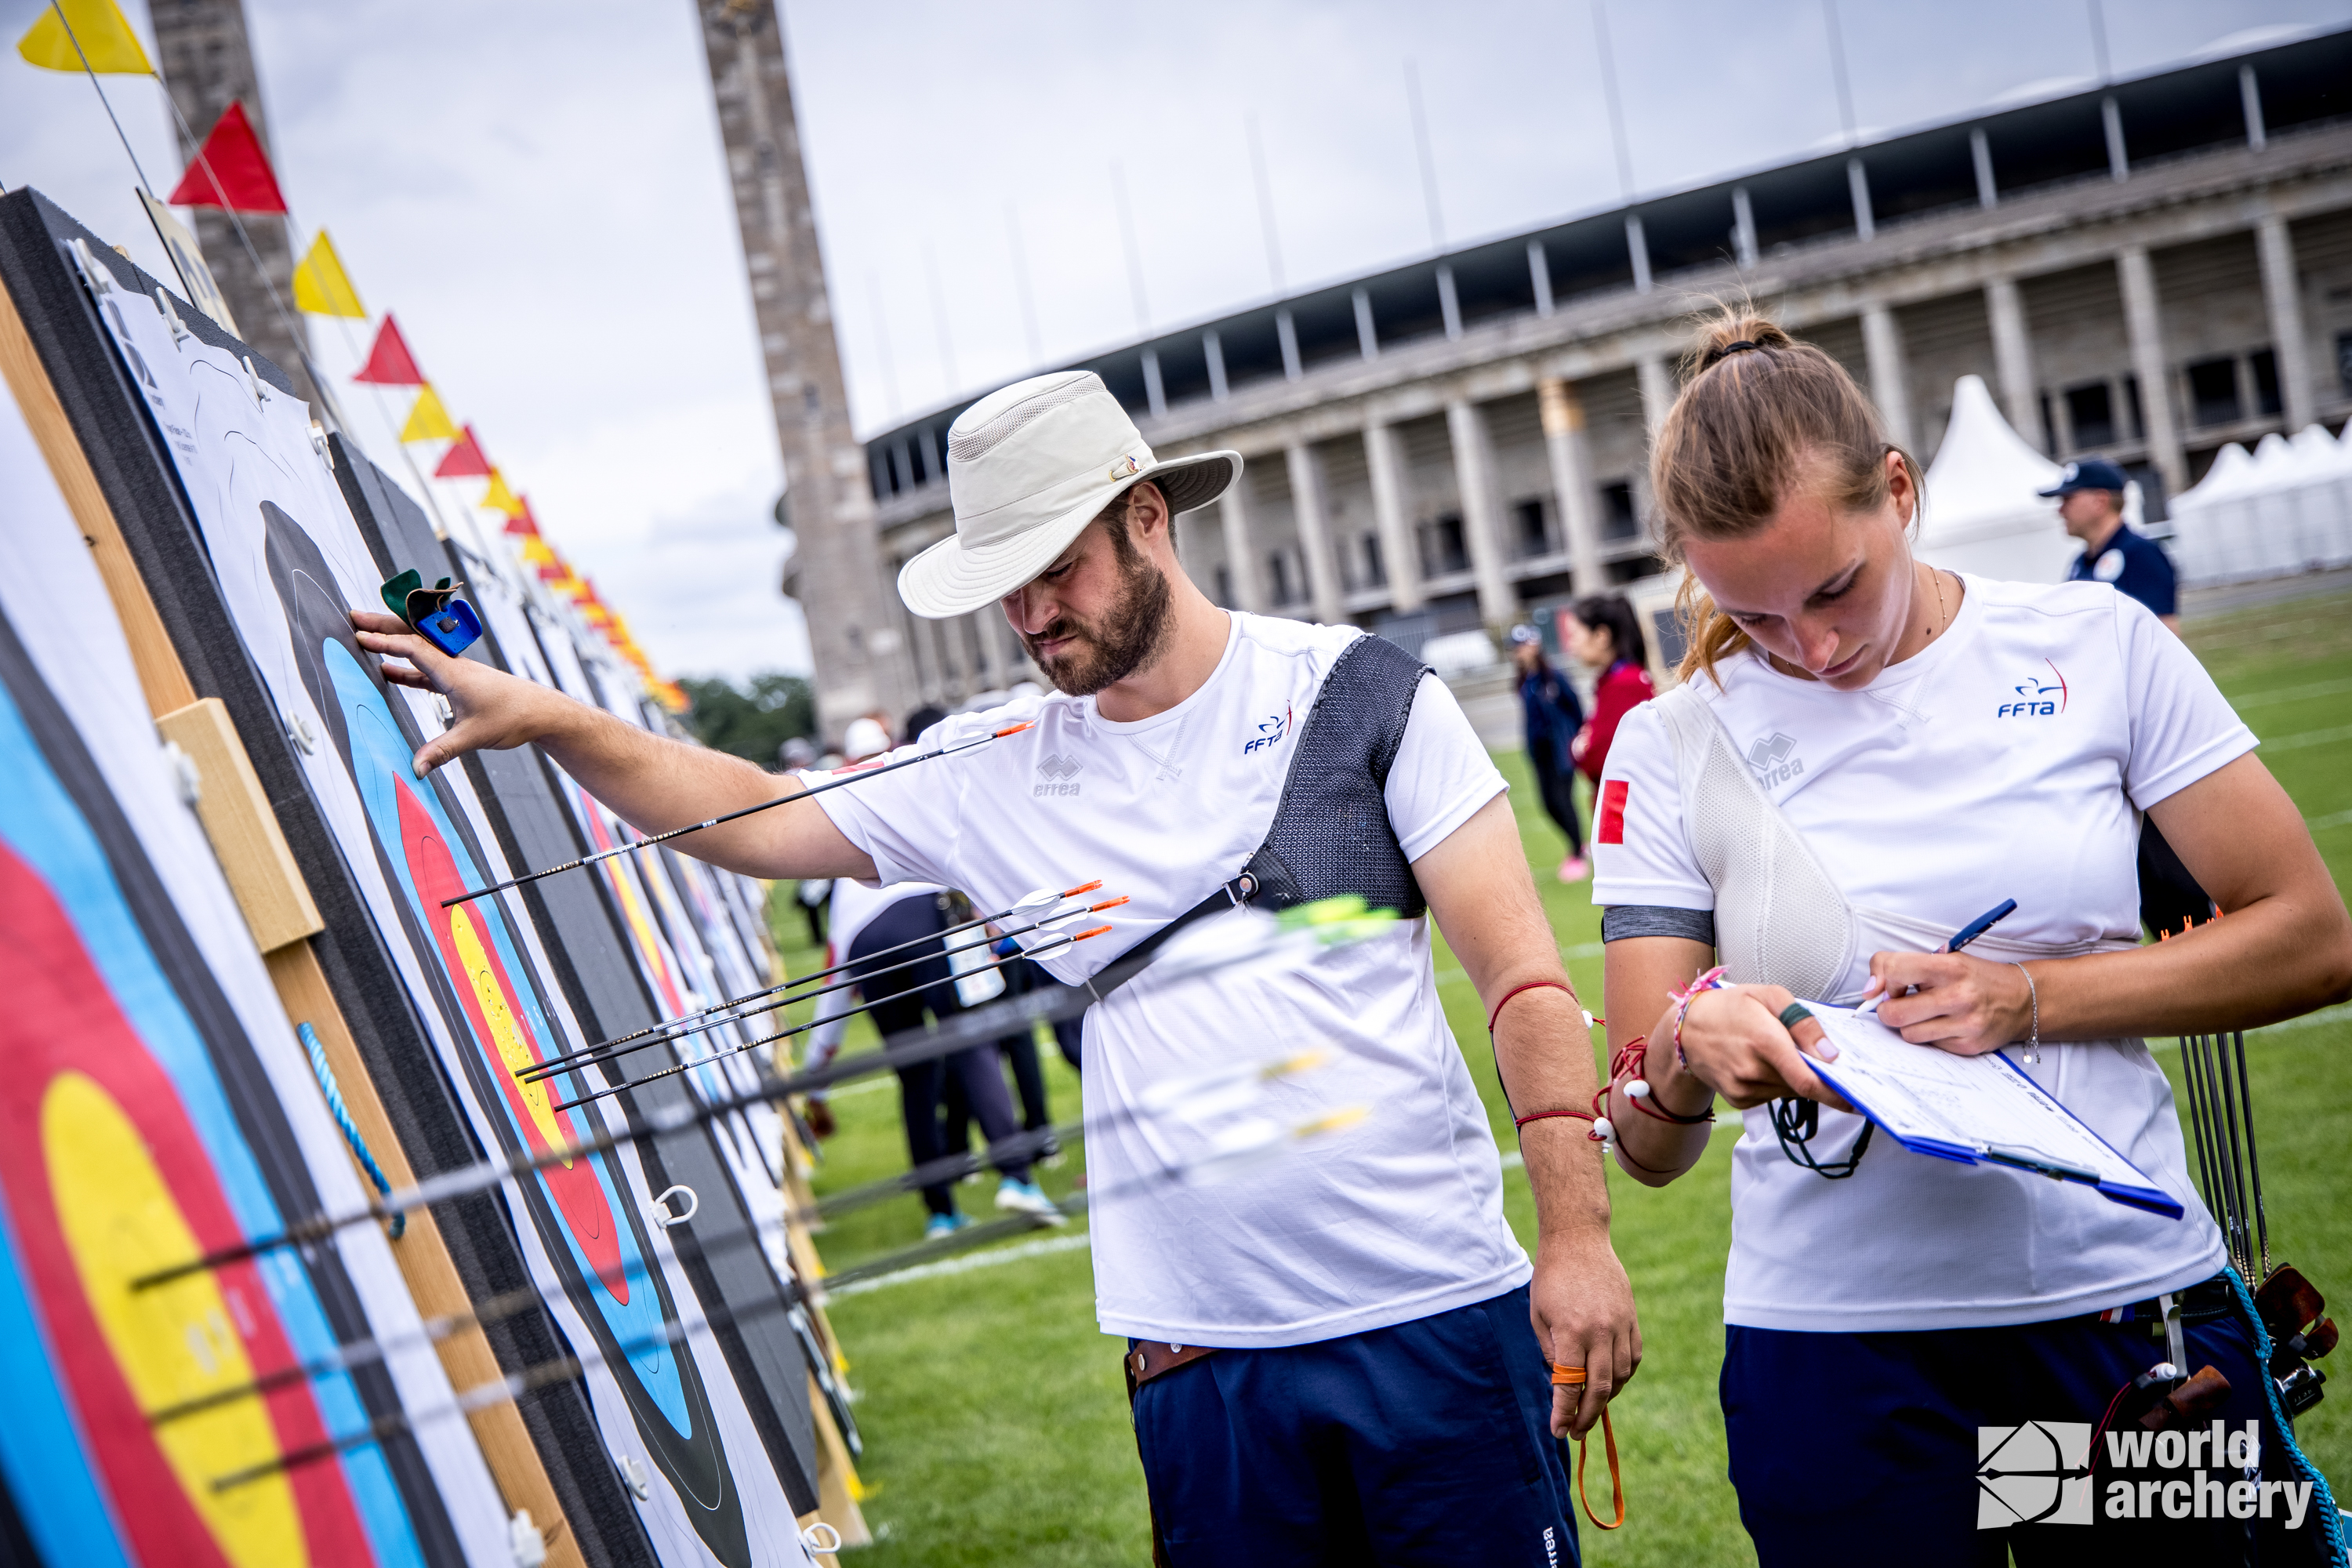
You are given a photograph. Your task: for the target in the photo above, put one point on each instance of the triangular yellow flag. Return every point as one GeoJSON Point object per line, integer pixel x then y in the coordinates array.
{"type": "Point", "coordinates": [428, 421]}
{"type": "Point", "coordinates": [498, 498]}
{"type": "Point", "coordinates": [536, 551]}
{"type": "Point", "coordinates": [99, 26]}
{"type": "Point", "coordinates": [321, 287]}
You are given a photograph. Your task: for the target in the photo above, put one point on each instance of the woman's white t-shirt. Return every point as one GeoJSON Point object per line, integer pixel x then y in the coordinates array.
{"type": "Point", "coordinates": [2011, 759]}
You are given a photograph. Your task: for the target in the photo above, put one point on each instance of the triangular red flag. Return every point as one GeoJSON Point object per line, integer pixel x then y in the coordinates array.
{"type": "Point", "coordinates": [464, 459]}
{"type": "Point", "coordinates": [523, 523]}
{"type": "Point", "coordinates": [230, 170]}
{"type": "Point", "coordinates": [390, 363]}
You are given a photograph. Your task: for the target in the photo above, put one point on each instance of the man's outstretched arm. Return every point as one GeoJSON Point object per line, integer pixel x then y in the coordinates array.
{"type": "Point", "coordinates": [652, 782]}
{"type": "Point", "coordinates": [1479, 889]}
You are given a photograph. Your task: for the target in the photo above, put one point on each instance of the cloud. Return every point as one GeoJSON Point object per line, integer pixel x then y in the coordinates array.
{"type": "Point", "coordinates": [536, 189]}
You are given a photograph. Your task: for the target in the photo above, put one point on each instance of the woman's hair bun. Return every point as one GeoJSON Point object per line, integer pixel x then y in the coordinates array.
{"type": "Point", "coordinates": [1781, 414]}
{"type": "Point", "coordinates": [1731, 332]}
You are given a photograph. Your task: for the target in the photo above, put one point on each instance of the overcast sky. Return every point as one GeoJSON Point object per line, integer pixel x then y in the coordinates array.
{"type": "Point", "coordinates": [537, 191]}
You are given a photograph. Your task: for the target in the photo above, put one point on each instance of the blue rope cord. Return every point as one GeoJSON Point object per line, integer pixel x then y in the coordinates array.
{"type": "Point", "coordinates": [2322, 1498]}
{"type": "Point", "coordinates": [317, 1049]}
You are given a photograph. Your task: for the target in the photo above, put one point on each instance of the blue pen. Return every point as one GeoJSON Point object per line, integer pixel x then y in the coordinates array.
{"type": "Point", "coordinates": [1960, 939]}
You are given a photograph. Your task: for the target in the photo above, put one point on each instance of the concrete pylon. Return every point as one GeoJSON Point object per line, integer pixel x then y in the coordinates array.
{"type": "Point", "coordinates": [863, 662]}
{"type": "Point", "coordinates": [206, 62]}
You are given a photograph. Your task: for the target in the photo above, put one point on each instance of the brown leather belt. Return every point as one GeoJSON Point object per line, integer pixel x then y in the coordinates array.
{"type": "Point", "coordinates": [1151, 1359]}
{"type": "Point", "coordinates": [1145, 1361]}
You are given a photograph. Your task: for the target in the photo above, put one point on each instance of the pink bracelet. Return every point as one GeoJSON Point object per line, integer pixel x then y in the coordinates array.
{"type": "Point", "coordinates": [1712, 979]}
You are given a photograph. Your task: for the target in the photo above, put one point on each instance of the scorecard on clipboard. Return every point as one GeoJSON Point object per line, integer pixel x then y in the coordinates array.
{"type": "Point", "coordinates": [1976, 1110]}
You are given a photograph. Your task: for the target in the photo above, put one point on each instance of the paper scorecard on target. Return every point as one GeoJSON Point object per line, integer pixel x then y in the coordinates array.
{"type": "Point", "coordinates": [1981, 1109]}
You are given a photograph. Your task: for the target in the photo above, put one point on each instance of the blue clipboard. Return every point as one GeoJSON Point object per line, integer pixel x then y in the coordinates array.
{"type": "Point", "coordinates": [2142, 1193]}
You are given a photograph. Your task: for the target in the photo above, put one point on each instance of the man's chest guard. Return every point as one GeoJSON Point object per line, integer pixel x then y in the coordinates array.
{"type": "Point", "coordinates": [1331, 833]}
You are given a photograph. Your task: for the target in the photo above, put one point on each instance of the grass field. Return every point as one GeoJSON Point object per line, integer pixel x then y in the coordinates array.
{"type": "Point", "coordinates": [993, 1413]}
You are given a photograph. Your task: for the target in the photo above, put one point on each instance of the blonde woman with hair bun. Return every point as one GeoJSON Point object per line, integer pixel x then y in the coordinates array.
{"type": "Point", "coordinates": [1866, 753]}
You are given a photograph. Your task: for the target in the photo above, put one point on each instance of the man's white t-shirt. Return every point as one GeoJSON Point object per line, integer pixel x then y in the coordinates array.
{"type": "Point", "coordinates": [2011, 759]}
{"type": "Point", "coordinates": [1395, 1218]}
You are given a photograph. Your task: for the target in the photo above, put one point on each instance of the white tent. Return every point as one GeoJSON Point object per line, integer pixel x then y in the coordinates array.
{"type": "Point", "coordinates": [2209, 527]}
{"type": "Point", "coordinates": [1983, 515]}
{"type": "Point", "coordinates": [2285, 509]}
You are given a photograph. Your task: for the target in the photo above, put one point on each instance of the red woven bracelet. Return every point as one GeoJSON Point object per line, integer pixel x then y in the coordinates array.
{"type": "Point", "coordinates": [1531, 986]}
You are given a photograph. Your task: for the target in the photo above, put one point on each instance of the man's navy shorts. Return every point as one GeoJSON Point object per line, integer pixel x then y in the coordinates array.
{"type": "Point", "coordinates": [1428, 1443]}
{"type": "Point", "coordinates": [1865, 1448]}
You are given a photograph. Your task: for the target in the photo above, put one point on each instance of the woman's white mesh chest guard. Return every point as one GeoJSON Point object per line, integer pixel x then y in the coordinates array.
{"type": "Point", "coordinates": [1778, 918]}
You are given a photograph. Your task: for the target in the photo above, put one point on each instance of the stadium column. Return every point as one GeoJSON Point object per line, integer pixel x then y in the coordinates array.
{"type": "Point", "coordinates": [1385, 464]}
{"type": "Point", "coordinates": [1657, 384]}
{"type": "Point", "coordinates": [2012, 357]}
{"type": "Point", "coordinates": [1882, 343]}
{"type": "Point", "coordinates": [1474, 466]}
{"type": "Point", "coordinates": [206, 62]}
{"type": "Point", "coordinates": [2144, 327]}
{"type": "Point", "coordinates": [2283, 298]}
{"type": "Point", "coordinates": [863, 661]}
{"type": "Point", "coordinates": [1306, 512]}
{"type": "Point", "coordinates": [1240, 556]}
{"type": "Point", "coordinates": [1569, 450]}
{"type": "Point", "coordinates": [949, 664]}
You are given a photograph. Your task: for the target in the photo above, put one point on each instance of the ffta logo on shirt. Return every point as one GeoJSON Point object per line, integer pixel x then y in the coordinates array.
{"type": "Point", "coordinates": [1270, 734]}
{"type": "Point", "coordinates": [2037, 698]}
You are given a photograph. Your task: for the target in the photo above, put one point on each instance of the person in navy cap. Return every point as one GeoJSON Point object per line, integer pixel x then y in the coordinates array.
{"type": "Point", "coordinates": [2090, 496]}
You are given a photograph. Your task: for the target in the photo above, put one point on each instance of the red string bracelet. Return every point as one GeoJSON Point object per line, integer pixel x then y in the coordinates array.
{"type": "Point", "coordinates": [1521, 1121]}
{"type": "Point", "coordinates": [1631, 1065]}
{"type": "Point", "coordinates": [1531, 986]}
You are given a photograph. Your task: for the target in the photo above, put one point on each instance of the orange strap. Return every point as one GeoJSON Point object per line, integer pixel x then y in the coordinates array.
{"type": "Point", "coordinates": [1573, 1377]}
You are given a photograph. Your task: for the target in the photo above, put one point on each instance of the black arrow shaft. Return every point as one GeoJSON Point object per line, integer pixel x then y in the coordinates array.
{"type": "Point", "coordinates": [650, 840]}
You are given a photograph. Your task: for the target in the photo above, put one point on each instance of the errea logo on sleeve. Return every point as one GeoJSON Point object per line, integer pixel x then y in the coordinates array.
{"type": "Point", "coordinates": [2037, 696]}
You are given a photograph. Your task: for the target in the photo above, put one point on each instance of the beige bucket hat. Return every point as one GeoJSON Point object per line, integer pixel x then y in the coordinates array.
{"type": "Point", "coordinates": [1028, 468]}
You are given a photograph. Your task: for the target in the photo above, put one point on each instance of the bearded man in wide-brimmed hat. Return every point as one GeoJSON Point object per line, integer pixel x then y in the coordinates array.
{"type": "Point", "coordinates": [1346, 1357]}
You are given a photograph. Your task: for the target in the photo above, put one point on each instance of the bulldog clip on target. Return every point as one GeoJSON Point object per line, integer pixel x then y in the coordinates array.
{"type": "Point", "coordinates": [440, 617]}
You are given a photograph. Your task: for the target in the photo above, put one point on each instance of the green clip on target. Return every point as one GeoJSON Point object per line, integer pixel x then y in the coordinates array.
{"type": "Point", "coordinates": [440, 617]}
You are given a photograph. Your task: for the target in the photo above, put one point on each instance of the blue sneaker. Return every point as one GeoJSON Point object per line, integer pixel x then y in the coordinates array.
{"type": "Point", "coordinates": [1027, 1197]}
{"type": "Point", "coordinates": [944, 1224]}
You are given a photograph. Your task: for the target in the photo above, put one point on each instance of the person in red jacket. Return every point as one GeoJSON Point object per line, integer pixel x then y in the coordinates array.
{"type": "Point", "coordinates": [1601, 632]}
